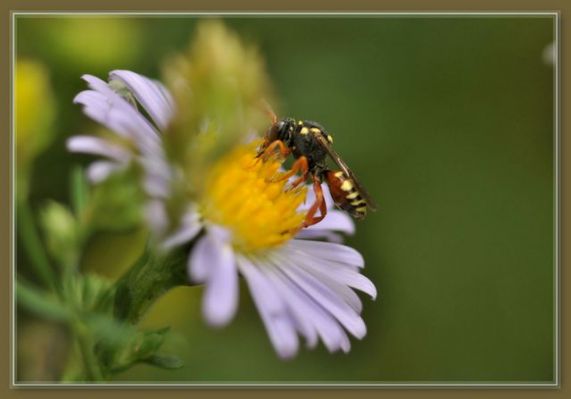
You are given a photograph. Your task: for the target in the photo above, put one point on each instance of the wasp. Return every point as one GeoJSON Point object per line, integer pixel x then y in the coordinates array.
{"type": "Point", "coordinates": [311, 145]}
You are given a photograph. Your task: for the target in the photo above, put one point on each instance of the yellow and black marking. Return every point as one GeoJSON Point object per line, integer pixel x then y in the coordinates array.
{"type": "Point", "coordinates": [346, 194]}
{"type": "Point", "coordinates": [310, 142]}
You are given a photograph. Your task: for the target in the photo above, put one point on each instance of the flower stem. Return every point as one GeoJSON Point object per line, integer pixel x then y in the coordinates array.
{"type": "Point", "coordinates": [90, 362]}
{"type": "Point", "coordinates": [147, 280]}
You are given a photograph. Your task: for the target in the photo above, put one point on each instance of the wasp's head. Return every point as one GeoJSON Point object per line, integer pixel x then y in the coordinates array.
{"type": "Point", "coordinates": [281, 130]}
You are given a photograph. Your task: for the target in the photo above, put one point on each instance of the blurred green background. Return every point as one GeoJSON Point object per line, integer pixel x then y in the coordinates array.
{"type": "Point", "coordinates": [448, 121]}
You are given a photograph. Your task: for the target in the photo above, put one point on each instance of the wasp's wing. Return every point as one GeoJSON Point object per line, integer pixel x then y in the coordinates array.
{"type": "Point", "coordinates": [339, 161]}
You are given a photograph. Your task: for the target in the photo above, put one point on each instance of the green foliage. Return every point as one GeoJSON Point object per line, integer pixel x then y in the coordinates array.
{"type": "Point", "coordinates": [140, 347]}
{"type": "Point", "coordinates": [107, 341]}
{"type": "Point", "coordinates": [116, 204]}
{"type": "Point", "coordinates": [61, 233]}
{"type": "Point", "coordinates": [42, 303]}
{"type": "Point", "coordinates": [168, 362]}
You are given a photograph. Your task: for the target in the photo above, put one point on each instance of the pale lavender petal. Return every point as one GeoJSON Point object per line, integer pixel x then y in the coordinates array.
{"type": "Point", "coordinates": [156, 216]}
{"type": "Point", "coordinates": [326, 297]}
{"type": "Point", "coordinates": [155, 186]}
{"type": "Point", "coordinates": [307, 234]}
{"type": "Point", "coordinates": [189, 228]}
{"type": "Point", "coordinates": [126, 122]}
{"type": "Point", "coordinates": [305, 308]}
{"type": "Point", "coordinates": [111, 110]}
{"type": "Point", "coordinates": [335, 273]}
{"type": "Point", "coordinates": [95, 83]}
{"type": "Point", "coordinates": [257, 280]}
{"type": "Point", "coordinates": [335, 220]}
{"type": "Point", "coordinates": [206, 249]}
{"type": "Point", "coordinates": [278, 323]}
{"type": "Point", "coordinates": [156, 166]}
{"type": "Point", "coordinates": [97, 146]}
{"type": "Point", "coordinates": [338, 286]}
{"type": "Point", "coordinates": [327, 250]}
{"type": "Point", "coordinates": [100, 170]}
{"type": "Point", "coordinates": [200, 258]}
{"type": "Point", "coordinates": [152, 95]}
{"type": "Point", "coordinates": [297, 309]}
{"type": "Point", "coordinates": [345, 344]}
{"type": "Point", "coordinates": [221, 290]}
{"type": "Point", "coordinates": [157, 175]}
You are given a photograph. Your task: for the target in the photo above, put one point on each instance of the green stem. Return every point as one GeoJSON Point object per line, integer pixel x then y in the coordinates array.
{"type": "Point", "coordinates": [147, 280]}
{"type": "Point", "coordinates": [33, 245]}
{"type": "Point", "coordinates": [86, 345]}
{"type": "Point", "coordinates": [79, 191]}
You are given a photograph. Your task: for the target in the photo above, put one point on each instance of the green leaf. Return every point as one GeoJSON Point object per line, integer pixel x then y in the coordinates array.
{"type": "Point", "coordinates": [106, 328]}
{"type": "Point", "coordinates": [166, 361]}
{"type": "Point", "coordinates": [139, 347]}
{"type": "Point", "coordinates": [149, 343]}
{"type": "Point", "coordinates": [41, 303]}
{"type": "Point", "coordinates": [79, 191]}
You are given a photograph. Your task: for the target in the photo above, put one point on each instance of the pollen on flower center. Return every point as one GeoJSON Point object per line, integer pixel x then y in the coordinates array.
{"type": "Point", "coordinates": [245, 196]}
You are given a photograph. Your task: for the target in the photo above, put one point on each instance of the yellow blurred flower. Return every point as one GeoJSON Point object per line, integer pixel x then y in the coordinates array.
{"type": "Point", "coordinates": [34, 108]}
{"type": "Point", "coordinates": [96, 43]}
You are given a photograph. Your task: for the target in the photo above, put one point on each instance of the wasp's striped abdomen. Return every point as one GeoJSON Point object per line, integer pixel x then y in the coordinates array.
{"type": "Point", "coordinates": [346, 194]}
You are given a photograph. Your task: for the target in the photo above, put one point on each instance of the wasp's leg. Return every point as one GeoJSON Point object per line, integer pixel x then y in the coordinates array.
{"type": "Point", "coordinates": [310, 218]}
{"type": "Point", "coordinates": [267, 152]}
{"type": "Point", "coordinates": [300, 165]}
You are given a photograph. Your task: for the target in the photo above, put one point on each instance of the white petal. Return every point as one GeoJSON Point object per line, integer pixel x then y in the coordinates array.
{"type": "Point", "coordinates": [307, 234]}
{"type": "Point", "coordinates": [337, 274]}
{"type": "Point", "coordinates": [199, 261]}
{"type": "Point", "coordinates": [258, 282]}
{"type": "Point", "coordinates": [97, 146]}
{"type": "Point", "coordinates": [343, 290]}
{"type": "Point", "coordinates": [335, 220]}
{"type": "Point", "coordinates": [152, 95]}
{"type": "Point", "coordinates": [326, 297]}
{"type": "Point", "coordinates": [327, 250]}
{"type": "Point", "coordinates": [111, 110]}
{"type": "Point", "coordinates": [155, 186]}
{"type": "Point", "coordinates": [156, 216]}
{"type": "Point", "coordinates": [206, 251]}
{"type": "Point", "coordinates": [221, 291]}
{"type": "Point", "coordinates": [345, 344]}
{"type": "Point", "coordinates": [278, 323]}
{"type": "Point", "coordinates": [307, 310]}
{"type": "Point", "coordinates": [189, 228]}
{"type": "Point", "coordinates": [100, 170]}
{"type": "Point", "coordinates": [296, 308]}
{"type": "Point", "coordinates": [95, 83]}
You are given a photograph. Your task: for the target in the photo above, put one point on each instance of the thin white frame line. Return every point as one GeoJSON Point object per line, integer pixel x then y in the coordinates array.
{"type": "Point", "coordinates": [557, 182]}
{"type": "Point", "coordinates": [293, 13]}
{"type": "Point", "coordinates": [230, 385]}
{"type": "Point", "coordinates": [12, 202]}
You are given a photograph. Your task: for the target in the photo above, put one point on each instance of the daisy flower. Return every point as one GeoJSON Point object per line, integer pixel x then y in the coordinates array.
{"type": "Point", "coordinates": [251, 223]}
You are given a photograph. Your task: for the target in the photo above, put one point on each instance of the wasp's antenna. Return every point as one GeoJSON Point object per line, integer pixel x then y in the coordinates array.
{"type": "Point", "coordinates": [269, 111]}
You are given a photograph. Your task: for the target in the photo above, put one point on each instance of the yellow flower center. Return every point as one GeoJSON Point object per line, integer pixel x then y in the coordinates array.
{"type": "Point", "coordinates": [246, 196]}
